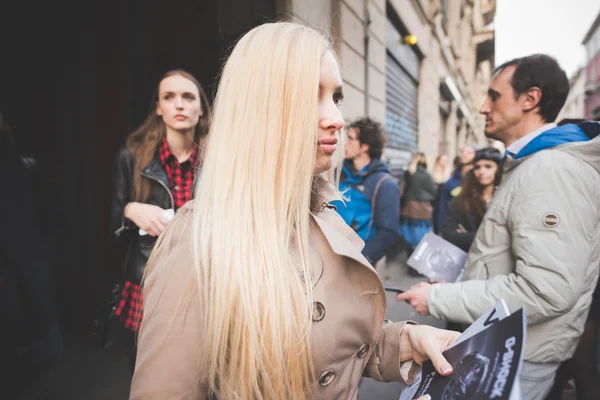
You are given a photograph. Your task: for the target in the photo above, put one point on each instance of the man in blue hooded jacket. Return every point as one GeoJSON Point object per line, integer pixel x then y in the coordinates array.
{"type": "Point", "coordinates": [538, 246]}
{"type": "Point", "coordinates": [372, 196]}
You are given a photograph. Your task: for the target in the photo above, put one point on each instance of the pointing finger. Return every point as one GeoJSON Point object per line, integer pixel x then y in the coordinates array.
{"type": "Point", "coordinates": [404, 296]}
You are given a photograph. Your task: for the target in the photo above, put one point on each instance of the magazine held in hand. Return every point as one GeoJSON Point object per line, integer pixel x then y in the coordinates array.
{"type": "Point", "coordinates": [486, 360]}
{"type": "Point", "coordinates": [438, 259]}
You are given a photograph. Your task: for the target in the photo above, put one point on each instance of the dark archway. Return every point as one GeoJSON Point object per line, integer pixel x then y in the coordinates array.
{"type": "Point", "coordinates": [75, 78]}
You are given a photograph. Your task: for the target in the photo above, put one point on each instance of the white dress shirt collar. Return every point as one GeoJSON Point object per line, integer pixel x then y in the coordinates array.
{"type": "Point", "coordinates": [520, 144]}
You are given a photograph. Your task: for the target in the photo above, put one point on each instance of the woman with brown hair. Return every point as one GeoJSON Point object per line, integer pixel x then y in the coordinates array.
{"type": "Point", "coordinates": [469, 207]}
{"type": "Point", "coordinates": [154, 177]}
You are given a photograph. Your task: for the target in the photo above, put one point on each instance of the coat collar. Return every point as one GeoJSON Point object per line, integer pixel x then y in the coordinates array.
{"type": "Point", "coordinates": [342, 238]}
{"type": "Point", "coordinates": [156, 171]}
{"type": "Point", "coordinates": [587, 150]}
{"type": "Point", "coordinates": [510, 164]}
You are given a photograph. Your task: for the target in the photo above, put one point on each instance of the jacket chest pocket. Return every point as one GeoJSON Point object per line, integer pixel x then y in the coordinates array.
{"type": "Point", "coordinates": [480, 272]}
{"type": "Point", "coordinates": [499, 265]}
{"type": "Point", "coordinates": [485, 272]}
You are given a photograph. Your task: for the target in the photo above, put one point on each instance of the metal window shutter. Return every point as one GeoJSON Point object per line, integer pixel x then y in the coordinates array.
{"type": "Point", "coordinates": [401, 107]}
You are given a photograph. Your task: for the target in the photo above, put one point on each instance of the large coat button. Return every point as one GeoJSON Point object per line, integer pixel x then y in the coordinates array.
{"type": "Point", "coordinates": [326, 377]}
{"type": "Point", "coordinates": [318, 311]}
{"type": "Point", "coordinates": [362, 352]}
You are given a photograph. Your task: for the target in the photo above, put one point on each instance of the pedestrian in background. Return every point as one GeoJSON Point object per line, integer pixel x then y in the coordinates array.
{"type": "Point", "coordinates": [371, 203]}
{"type": "Point", "coordinates": [469, 207]}
{"type": "Point", "coordinates": [30, 335]}
{"type": "Point", "coordinates": [417, 198]}
{"type": "Point", "coordinates": [451, 188]}
{"type": "Point", "coordinates": [441, 170]}
{"type": "Point", "coordinates": [154, 174]}
{"type": "Point", "coordinates": [538, 246]}
{"type": "Point", "coordinates": [582, 368]}
{"type": "Point", "coordinates": [440, 179]}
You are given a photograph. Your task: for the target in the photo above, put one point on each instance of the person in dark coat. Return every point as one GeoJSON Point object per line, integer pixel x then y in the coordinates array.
{"type": "Point", "coordinates": [154, 177]}
{"type": "Point", "coordinates": [451, 188]}
{"type": "Point", "coordinates": [468, 208]}
{"type": "Point", "coordinates": [418, 196]}
{"type": "Point", "coordinates": [372, 196]}
{"type": "Point", "coordinates": [30, 339]}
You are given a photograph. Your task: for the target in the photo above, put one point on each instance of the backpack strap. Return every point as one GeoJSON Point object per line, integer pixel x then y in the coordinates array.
{"type": "Point", "coordinates": [385, 177]}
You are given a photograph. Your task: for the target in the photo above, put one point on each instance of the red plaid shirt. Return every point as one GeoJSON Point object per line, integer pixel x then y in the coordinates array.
{"type": "Point", "coordinates": [180, 176]}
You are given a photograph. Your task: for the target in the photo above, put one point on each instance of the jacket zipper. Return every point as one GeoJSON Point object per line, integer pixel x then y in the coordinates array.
{"type": "Point", "coordinates": [122, 227]}
{"type": "Point", "coordinates": [163, 185]}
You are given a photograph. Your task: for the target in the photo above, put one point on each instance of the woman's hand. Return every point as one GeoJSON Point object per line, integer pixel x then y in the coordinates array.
{"type": "Point", "coordinates": [147, 217]}
{"type": "Point", "coordinates": [427, 342]}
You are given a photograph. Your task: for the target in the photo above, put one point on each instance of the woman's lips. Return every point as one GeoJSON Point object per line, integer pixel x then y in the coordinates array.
{"type": "Point", "coordinates": [328, 145]}
{"type": "Point", "coordinates": [180, 117]}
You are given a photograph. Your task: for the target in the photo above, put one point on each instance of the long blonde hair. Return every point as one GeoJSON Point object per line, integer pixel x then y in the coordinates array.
{"type": "Point", "coordinates": [253, 199]}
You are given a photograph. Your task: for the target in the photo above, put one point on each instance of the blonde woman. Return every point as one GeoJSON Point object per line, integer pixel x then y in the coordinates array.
{"type": "Point", "coordinates": [257, 289]}
{"type": "Point", "coordinates": [441, 170]}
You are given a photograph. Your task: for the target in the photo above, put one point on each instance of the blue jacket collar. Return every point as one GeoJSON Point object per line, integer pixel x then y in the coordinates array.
{"type": "Point", "coordinates": [560, 135]}
{"type": "Point", "coordinates": [351, 175]}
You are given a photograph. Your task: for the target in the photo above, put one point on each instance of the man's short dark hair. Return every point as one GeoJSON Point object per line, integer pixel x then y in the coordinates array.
{"type": "Point", "coordinates": [372, 133]}
{"type": "Point", "coordinates": [543, 72]}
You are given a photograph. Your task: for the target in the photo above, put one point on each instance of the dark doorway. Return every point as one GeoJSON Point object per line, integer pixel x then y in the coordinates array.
{"type": "Point", "coordinates": [76, 76]}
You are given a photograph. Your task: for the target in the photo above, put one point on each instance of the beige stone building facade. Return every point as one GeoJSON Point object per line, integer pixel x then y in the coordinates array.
{"type": "Point", "coordinates": [427, 94]}
{"type": "Point", "coordinates": [575, 104]}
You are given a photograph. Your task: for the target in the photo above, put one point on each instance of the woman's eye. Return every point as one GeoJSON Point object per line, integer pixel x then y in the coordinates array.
{"type": "Point", "coordinates": [168, 96]}
{"type": "Point", "coordinates": [338, 98]}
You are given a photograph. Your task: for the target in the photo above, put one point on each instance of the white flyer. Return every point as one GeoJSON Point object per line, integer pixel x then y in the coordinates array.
{"type": "Point", "coordinates": [168, 213]}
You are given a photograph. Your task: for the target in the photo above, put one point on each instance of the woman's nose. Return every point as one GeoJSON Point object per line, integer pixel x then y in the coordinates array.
{"type": "Point", "coordinates": [333, 122]}
{"type": "Point", "coordinates": [179, 102]}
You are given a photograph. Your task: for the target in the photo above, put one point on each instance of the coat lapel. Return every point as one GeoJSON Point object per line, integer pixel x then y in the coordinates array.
{"type": "Point", "coordinates": [155, 170]}
{"type": "Point", "coordinates": [342, 239]}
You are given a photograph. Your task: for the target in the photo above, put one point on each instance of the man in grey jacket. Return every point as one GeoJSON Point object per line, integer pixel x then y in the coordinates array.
{"type": "Point", "coordinates": [538, 246]}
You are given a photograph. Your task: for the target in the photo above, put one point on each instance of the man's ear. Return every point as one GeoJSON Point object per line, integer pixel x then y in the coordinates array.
{"type": "Point", "coordinates": [365, 148]}
{"type": "Point", "coordinates": [530, 98]}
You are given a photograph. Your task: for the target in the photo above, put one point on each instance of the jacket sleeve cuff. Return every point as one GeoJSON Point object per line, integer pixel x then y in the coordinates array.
{"type": "Point", "coordinates": [388, 362]}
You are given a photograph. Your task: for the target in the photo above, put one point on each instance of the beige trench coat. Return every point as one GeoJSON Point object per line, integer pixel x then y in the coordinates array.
{"type": "Point", "coordinates": [350, 340]}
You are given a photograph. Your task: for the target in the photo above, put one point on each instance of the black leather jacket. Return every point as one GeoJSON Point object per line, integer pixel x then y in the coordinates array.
{"type": "Point", "coordinates": [139, 247]}
{"type": "Point", "coordinates": [469, 222]}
